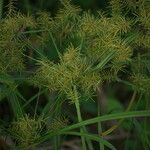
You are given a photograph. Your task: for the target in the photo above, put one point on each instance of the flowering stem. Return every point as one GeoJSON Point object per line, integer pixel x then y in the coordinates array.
{"type": "Point", "coordinates": [83, 129]}
{"type": "Point", "coordinates": [79, 120]}
{"type": "Point", "coordinates": [100, 127]}
{"type": "Point", "coordinates": [101, 145]}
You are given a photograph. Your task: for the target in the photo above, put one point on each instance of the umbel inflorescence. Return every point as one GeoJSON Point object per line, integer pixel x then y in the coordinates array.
{"type": "Point", "coordinates": [74, 52]}
{"type": "Point", "coordinates": [91, 48]}
{"type": "Point", "coordinates": [88, 47]}
{"type": "Point", "coordinates": [92, 45]}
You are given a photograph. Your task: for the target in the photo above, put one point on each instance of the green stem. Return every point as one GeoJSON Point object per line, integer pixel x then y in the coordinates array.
{"type": "Point", "coordinates": [123, 115]}
{"type": "Point", "coordinates": [55, 143]}
{"type": "Point", "coordinates": [80, 120]}
{"type": "Point", "coordinates": [15, 104]}
{"type": "Point", "coordinates": [101, 146]}
{"type": "Point", "coordinates": [89, 142]}
{"type": "Point", "coordinates": [37, 102]}
{"type": "Point", "coordinates": [131, 101]}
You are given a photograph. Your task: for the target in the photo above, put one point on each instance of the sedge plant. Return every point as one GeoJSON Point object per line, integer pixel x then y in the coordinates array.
{"type": "Point", "coordinates": [69, 57]}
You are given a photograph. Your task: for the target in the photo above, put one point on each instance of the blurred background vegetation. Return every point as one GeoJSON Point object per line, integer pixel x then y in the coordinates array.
{"type": "Point", "coordinates": [32, 6]}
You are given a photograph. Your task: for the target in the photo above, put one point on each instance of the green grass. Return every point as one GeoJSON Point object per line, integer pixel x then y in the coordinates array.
{"type": "Point", "coordinates": [53, 68]}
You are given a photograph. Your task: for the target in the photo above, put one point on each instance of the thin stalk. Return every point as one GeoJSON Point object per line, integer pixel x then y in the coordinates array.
{"type": "Point", "coordinates": [94, 138]}
{"type": "Point", "coordinates": [103, 118]}
{"type": "Point", "coordinates": [15, 104]}
{"type": "Point", "coordinates": [138, 101]}
{"type": "Point", "coordinates": [55, 143]}
{"type": "Point", "coordinates": [37, 102]}
{"type": "Point", "coordinates": [101, 145]}
{"type": "Point", "coordinates": [58, 141]}
{"type": "Point", "coordinates": [147, 106]}
{"type": "Point", "coordinates": [33, 31]}
{"type": "Point", "coordinates": [80, 120]}
{"type": "Point", "coordinates": [83, 129]}
{"type": "Point", "coordinates": [89, 142]}
{"type": "Point", "coordinates": [33, 98]}
{"type": "Point", "coordinates": [131, 101]}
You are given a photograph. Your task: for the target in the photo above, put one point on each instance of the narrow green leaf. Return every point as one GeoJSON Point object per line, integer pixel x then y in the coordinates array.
{"type": "Point", "coordinates": [92, 137]}
{"type": "Point", "coordinates": [15, 105]}
{"type": "Point", "coordinates": [95, 120]}
{"type": "Point", "coordinates": [122, 115]}
{"type": "Point", "coordinates": [105, 61]}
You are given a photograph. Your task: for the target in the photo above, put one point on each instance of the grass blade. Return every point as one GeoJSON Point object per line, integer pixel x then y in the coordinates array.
{"type": "Point", "coordinates": [92, 137]}
{"type": "Point", "coordinates": [145, 113]}
{"type": "Point", "coordinates": [103, 118]}
{"type": "Point", "coordinates": [15, 105]}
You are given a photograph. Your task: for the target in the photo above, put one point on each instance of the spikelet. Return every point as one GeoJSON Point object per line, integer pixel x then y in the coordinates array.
{"type": "Point", "coordinates": [89, 82]}
{"type": "Point", "coordinates": [57, 123]}
{"type": "Point", "coordinates": [141, 83]}
{"type": "Point", "coordinates": [89, 24]}
{"type": "Point", "coordinates": [70, 68]}
{"type": "Point", "coordinates": [11, 60]}
{"type": "Point", "coordinates": [99, 36]}
{"type": "Point", "coordinates": [26, 130]}
{"type": "Point", "coordinates": [46, 24]}
{"type": "Point", "coordinates": [145, 18]}
{"type": "Point", "coordinates": [65, 22]}
{"type": "Point", "coordinates": [123, 51]}
{"type": "Point", "coordinates": [10, 46]}
{"type": "Point", "coordinates": [46, 75]}
{"type": "Point", "coordinates": [121, 24]}
{"type": "Point", "coordinates": [130, 6]}
{"type": "Point", "coordinates": [11, 8]}
{"type": "Point", "coordinates": [71, 55]}
{"type": "Point", "coordinates": [70, 72]}
{"type": "Point", "coordinates": [143, 40]}
{"type": "Point", "coordinates": [44, 21]}
{"type": "Point", "coordinates": [68, 11]}
{"type": "Point", "coordinates": [116, 6]}
{"type": "Point", "coordinates": [108, 75]}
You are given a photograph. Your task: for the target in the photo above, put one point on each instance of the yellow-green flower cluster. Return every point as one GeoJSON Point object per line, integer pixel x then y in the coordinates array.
{"type": "Point", "coordinates": [27, 130]}
{"type": "Point", "coordinates": [72, 70]}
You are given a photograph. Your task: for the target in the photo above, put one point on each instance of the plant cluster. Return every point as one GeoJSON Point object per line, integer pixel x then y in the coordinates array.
{"type": "Point", "coordinates": [70, 56]}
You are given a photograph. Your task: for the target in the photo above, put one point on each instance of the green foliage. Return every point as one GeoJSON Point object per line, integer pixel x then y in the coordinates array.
{"type": "Point", "coordinates": [69, 56]}
{"type": "Point", "coordinates": [11, 7]}
{"type": "Point", "coordinates": [77, 65]}
{"type": "Point", "coordinates": [70, 72]}
{"type": "Point", "coordinates": [57, 124]}
{"type": "Point", "coordinates": [11, 47]}
{"type": "Point", "coordinates": [142, 83]}
{"type": "Point", "coordinates": [26, 130]}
